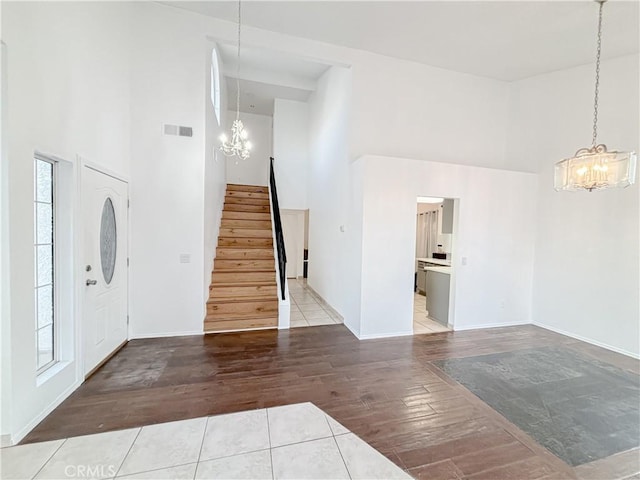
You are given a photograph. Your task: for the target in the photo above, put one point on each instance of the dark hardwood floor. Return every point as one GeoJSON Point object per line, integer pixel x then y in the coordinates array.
{"type": "Point", "coordinates": [386, 391]}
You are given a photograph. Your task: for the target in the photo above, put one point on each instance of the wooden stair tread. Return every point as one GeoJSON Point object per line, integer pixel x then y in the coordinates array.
{"type": "Point", "coordinates": [228, 214]}
{"type": "Point", "coordinates": [235, 232]}
{"type": "Point", "coordinates": [247, 299]}
{"type": "Point", "coordinates": [246, 223]}
{"type": "Point", "coordinates": [236, 200]}
{"type": "Point", "coordinates": [232, 270]}
{"type": "Point", "coordinates": [245, 284]}
{"type": "Point", "coordinates": [247, 188]}
{"type": "Point", "coordinates": [213, 326]}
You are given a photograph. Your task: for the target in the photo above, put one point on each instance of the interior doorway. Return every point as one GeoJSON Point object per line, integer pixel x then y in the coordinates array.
{"type": "Point", "coordinates": [435, 220]}
{"type": "Point", "coordinates": [293, 228]}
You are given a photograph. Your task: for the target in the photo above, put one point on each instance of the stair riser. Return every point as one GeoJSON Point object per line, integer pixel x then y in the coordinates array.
{"type": "Point", "coordinates": [229, 215]}
{"type": "Point", "coordinates": [244, 264]}
{"type": "Point", "coordinates": [246, 201]}
{"type": "Point", "coordinates": [223, 253]}
{"type": "Point", "coordinates": [240, 194]}
{"type": "Point", "coordinates": [253, 291]}
{"type": "Point", "coordinates": [213, 325]}
{"type": "Point", "coordinates": [245, 233]}
{"type": "Point", "coordinates": [245, 242]}
{"type": "Point", "coordinates": [242, 277]}
{"type": "Point", "coordinates": [227, 311]}
{"type": "Point", "coordinates": [241, 223]}
{"type": "Point", "coordinates": [248, 188]}
{"type": "Point", "coordinates": [237, 207]}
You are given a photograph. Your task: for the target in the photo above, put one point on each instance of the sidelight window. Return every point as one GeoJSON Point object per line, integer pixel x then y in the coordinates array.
{"type": "Point", "coordinates": [45, 264]}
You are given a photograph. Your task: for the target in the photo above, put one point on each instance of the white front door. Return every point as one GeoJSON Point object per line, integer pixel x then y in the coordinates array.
{"type": "Point", "coordinates": [104, 319]}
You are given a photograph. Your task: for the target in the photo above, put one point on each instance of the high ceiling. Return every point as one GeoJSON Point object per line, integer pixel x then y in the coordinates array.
{"type": "Point", "coordinates": [506, 40]}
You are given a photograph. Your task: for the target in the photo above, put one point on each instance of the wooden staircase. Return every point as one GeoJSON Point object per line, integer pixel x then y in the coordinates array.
{"type": "Point", "coordinates": [243, 293]}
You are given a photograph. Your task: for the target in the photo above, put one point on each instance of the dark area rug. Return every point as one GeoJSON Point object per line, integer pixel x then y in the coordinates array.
{"type": "Point", "coordinates": [577, 407]}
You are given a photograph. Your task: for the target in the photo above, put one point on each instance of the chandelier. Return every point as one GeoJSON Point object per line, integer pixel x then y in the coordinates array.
{"type": "Point", "coordinates": [595, 168]}
{"type": "Point", "coordinates": [239, 145]}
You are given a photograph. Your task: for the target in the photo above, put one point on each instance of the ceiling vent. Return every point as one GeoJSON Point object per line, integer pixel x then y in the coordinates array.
{"type": "Point", "coordinates": [178, 130]}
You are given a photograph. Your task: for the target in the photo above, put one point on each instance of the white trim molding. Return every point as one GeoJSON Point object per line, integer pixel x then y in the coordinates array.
{"type": "Point", "coordinates": [588, 340]}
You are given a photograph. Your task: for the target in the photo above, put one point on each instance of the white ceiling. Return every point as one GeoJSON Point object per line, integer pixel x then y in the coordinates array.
{"type": "Point", "coordinates": [257, 97]}
{"type": "Point", "coordinates": [266, 75]}
{"type": "Point", "coordinates": [290, 68]}
{"type": "Point", "coordinates": [506, 40]}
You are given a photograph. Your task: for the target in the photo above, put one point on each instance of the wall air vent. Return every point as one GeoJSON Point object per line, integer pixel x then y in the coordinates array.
{"type": "Point", "coordinates": [178, 130]}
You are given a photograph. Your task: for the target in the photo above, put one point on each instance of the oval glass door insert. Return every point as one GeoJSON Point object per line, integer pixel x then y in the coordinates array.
{"type": "Point", "coordinates": [108, 240]}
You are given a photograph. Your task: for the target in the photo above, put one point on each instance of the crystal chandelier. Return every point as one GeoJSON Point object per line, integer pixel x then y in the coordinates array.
{"type": "Point", "coordinates": [595, 168]}
{"type": "Point", "coordinates": [239, 146]}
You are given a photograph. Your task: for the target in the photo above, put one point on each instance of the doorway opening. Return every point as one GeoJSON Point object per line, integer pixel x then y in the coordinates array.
{"type": "Point", "coordinates": [432, 295]}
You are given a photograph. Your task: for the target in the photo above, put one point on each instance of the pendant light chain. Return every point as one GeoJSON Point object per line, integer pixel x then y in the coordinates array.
{"type": "Point", "coordinates": [238, 145]}
{"type": "Point", "coordinates": [595, 100]}
{"type": "Point", "coordinates": [238, 64]}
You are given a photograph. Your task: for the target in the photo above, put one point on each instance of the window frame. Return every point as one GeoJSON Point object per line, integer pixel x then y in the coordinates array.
{"type": "Point", "coordinates": [216, 80]}
{"type": "Point", "coordinates": [54, 270]}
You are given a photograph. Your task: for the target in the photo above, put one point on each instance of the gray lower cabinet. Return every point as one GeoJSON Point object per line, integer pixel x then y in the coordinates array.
{"type": "Point", "coordinates": [437, 289]}
{"type": "Point", "coordinates": [421, 280]}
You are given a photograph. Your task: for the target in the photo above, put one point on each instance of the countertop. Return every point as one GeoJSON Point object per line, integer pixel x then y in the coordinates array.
{"type": "Point", "coordinates": [446, 270]}
{"type": "Point", "coordinates": [437, 261]}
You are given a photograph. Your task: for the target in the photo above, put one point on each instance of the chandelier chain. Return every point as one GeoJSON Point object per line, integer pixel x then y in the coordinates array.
{"type": "Point", "coordinates": [597, 86]}
{"type": "Point", "coordinates": [238, 63]}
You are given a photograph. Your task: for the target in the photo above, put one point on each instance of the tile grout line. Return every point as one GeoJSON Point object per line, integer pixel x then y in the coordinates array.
{"type": "Point", "coordinates": [204, 434]}
{"type": "Point", "coordinates": [341, 456]}
{"type": "Point", "coordinates": [305, 441]}
{"type": "Point", "coordinates": [270, 449]}
{"type": "Point", "coordinates": [50, 457]}
{"type": "Point", "coordinates": [152, 470]}
{"type": "Point", "coordinates": [128, 452]}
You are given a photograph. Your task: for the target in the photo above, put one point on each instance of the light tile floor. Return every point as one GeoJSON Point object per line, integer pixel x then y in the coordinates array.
{"type": "Point", "coordinates": [421, 321]}
{"type": "Point", "coordinates": [306, 308]}
{"type": "Point", "coordinates": [290, 442]}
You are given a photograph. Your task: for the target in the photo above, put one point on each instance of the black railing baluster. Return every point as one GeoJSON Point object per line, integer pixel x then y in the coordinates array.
{"type": "Point", "coordinates": [282, 254]}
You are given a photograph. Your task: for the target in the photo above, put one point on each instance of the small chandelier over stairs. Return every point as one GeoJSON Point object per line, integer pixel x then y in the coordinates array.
{"type": "Point", "coordinates": [239, 146]}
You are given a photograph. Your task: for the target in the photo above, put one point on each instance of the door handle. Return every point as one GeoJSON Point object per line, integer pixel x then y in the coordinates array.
{"type": "Point", "coordinates": [91, 282]}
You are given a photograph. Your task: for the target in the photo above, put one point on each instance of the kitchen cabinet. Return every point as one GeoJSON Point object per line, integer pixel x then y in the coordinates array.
{"type": "Point", "coordinates": [421, 281]}
{"type": "Point", "coordinates": [447, 215]}
{"type": "Point", "coordinates": [437, 291]}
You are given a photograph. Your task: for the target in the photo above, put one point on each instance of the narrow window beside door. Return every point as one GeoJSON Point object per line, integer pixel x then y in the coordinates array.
{"type": "Point", "coordinates": [44, 255]}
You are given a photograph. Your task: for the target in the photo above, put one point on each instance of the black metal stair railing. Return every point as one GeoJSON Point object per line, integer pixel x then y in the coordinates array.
{"type": "Point", "coordinates": [282, 254]}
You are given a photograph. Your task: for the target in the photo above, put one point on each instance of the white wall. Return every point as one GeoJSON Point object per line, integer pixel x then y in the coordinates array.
{"type": "Point", "coordinates": [215, 175]}
{"type": "Point", "coordinates": [495, 233]}
{"type": "Point", "coordinates": [68, 82]}
{"type": "Point", "coordinates": [5, 297]}
{"type": "Point", "coordinates": [405, 109]}
{"type": "Point", "coordinates": [329, 109]}
{"type": "Point", "coordinates": [586, 281]}
{"type": "Point", "coordinates": [168, 85]}
{"type": "Point", "coordinates": [291, 152]}
{"type": "Point", "coordinates": [255, 169]}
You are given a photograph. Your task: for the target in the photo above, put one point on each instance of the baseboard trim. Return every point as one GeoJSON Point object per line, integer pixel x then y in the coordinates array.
{"type": "Point", "coordinates": [5, 440]}
{"type": "Point", "coordinates": [332, 311]}
{"type": "Point", "coordinates": [386, 335]}
{"type": "Point", "coordinates": [489, 325]}
{"type": "Point", "coordinates": [588, 340]}
{"type": "Point", "coordinates": [163, 335]}
{"type": "Point", "coordinates": [17, 438]}
{"type": "Point", "coordinates": [352, 331]}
